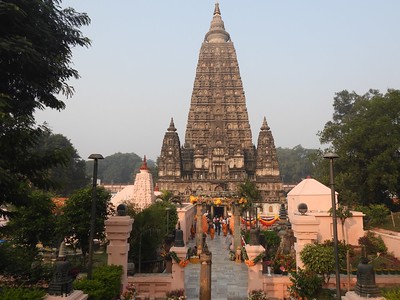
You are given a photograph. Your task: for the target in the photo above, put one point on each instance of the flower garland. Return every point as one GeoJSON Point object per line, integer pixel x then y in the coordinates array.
{"type": "Point", "coordinates": [254, 261]}
{"type": "Point", "coordinates": [182, 263]}
{"type": "Point", "coordinates": [218, 201]}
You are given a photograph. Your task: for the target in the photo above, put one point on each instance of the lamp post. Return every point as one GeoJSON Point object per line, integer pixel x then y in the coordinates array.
{"type": "Point", "coordinates": [331, 157]}
{"type": "Point", "coordinates": [96, 158]}
{"type": "Point", "coordinates": [167, 210]}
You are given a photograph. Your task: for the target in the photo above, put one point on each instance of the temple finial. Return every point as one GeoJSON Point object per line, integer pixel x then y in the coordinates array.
{"type": "Point", "coordinates": [144, 165]}
{"type": "Point", "coordinates": [216, 10]}
{"type": "Point", "coordinates": [264, 125]}
{"type": "Point", "coordinates": [171, 125]}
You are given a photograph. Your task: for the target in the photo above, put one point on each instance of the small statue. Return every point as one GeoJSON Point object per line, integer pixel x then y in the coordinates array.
{"type": "Point", "coordinates": [238, 254]}
{"type": "Point", "coordinates": [61, 283]}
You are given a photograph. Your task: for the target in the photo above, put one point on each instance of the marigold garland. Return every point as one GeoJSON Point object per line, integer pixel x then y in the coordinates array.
{"type": "Point", "coordinates": [254, 261]}
{"type": "Point", "coordinates": [182, 263]}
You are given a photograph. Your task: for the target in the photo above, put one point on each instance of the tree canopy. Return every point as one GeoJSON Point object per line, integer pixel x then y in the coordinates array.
{"type": "Point", "coordinates": [36, 40]}
{"type": "Point", "coordinates": [69, 175]}
{"type": "Point", "coordinates": [74, 222]}
{"type": "Point", "coordinates": [295, 164]}
{"type": "Point", "coordinates": [365, 133]}
{"type": "Point", "coordinates": [120, 168]}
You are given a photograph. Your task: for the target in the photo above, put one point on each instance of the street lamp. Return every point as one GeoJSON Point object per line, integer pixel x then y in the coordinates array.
{"type": "Point", "coordinates": [96, 158]}
{"type": "Point", "coordinates": [167, 210]}
{"type": "Point", "coordinates": [331, 157]}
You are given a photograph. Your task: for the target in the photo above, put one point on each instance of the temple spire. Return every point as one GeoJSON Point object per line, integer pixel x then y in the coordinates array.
{"type": "Point", "coordinates": [217, 32]}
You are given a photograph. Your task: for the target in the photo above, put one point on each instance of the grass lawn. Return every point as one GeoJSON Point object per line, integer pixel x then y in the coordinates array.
{"type": "Point", "coordinates": [388, 224]}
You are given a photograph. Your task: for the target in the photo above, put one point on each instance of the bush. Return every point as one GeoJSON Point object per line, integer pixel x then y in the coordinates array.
{"type": "Point", "coordinates": [257, 295]}
{"type": "Point", "coordinates": [306, 284]}
{"type": "Point", "coordinates": [105, 285]}
{"type": "Point", "coordinates": [176, 295]}
{"type": "Point", "coordinates": [21, 294]}
{"type": "Point", "coordinates": [391, 294]}
{"type": "Point", "coordinates": [372, 243]}
{"type": "Point", "coordinates": [375, 214]}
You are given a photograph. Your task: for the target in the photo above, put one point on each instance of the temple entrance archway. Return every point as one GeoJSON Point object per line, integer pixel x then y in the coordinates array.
{"type": "Point", "coordinates": [219, 211]}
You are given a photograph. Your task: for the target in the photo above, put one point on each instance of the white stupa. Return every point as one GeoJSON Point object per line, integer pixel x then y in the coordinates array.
{"type": "Point", "coordinates": [141, 193]}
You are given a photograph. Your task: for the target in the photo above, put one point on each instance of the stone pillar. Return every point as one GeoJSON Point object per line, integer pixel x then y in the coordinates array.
{"type": "Point", "coordinates": [199, 229]}
{"type": "Point", "coordinates": [236, 228]}
{"type": "Point", "coordinates": [205, 276]}
{"type": "Point", "coordinates": [178, 271]}
{"type": "Point", "coordinates": [118, 230]}
{"type": "Point", "coordinates": [255, 281]}
{"type": "Point", "coordinates": [305, 229]}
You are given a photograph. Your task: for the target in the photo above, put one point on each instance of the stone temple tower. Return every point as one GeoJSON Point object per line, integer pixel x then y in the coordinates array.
{"type": "Point", "coordinates": [218, 153]}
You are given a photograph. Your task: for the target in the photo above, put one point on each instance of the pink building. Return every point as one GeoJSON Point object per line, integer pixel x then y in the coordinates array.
{"type": "Point", "coordinates": [318, 199]}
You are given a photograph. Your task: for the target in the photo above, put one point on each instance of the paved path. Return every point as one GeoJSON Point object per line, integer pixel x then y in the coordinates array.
{"type": "Point", "coordinates": [228, 278]}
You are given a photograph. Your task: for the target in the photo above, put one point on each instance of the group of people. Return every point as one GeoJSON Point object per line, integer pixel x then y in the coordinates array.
{"type": "Point", "coordinates": [216, 225]}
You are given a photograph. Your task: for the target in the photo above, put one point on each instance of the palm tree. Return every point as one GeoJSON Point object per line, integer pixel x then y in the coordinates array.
{"type": "Point", "coordinates": [249, 190]}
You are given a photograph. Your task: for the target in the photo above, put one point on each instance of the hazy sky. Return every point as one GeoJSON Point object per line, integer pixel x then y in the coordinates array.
{"type": "Point", "coordinates": [293, 57]}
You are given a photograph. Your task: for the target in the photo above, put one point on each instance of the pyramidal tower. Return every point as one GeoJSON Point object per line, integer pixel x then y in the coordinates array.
{"type": "Point", "coordinates": [218, 153]}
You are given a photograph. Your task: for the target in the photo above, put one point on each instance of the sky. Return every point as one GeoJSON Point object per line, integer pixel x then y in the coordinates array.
{"type": "Point", "coordinates": [293, 57]}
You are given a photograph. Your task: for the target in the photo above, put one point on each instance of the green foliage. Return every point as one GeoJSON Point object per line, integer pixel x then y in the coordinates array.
{"type": "Point", "coordinates": [391, 294]}
{"type": "Point", "coordinates": [176, 295]}
{"type": "Point", "coordinates": [150, 229]}
{"type": "Point", "coordinates": [257, 295]}
{"type": "Point", "coordinates": [306, 284]}
{"type": "Point", "coordinates": [319, 258]}
{"type": "Point", "coordinates": [372, 243]}
{"type": "Point", "coordinates": [365, 134]}
{"type": "Point", "coordinates": [69, 175]}
{"type": "Point", "coordinates": [33, 222]}
{"type": "Point", "coordinates": [74, 223]}
{"type": "Point", "coordinates": [375, 214]}
{"type": "Point", "coordinates": [16, 260]}
{"type": "Point", "coordinates": [392, 222]}
{"type": "Point", "coordinates": [272, 241]}
{"type": "Point", "coordinates": [35, 49]}
{"type": "Point", "coordinates": [105, 285]}
{"type": "Point", "coordinates": [21, 293]}
{"type": "Point", "coordinates": [295, 164]}
{"type": "Point", "coordinates": [120, 168]}
{"type": "Point", "coordinates": [283, 263]}
{"type": "Point", "coordinates": [249, 190]}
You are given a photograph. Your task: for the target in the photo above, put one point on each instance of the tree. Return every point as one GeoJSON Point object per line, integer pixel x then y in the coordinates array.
{"type": "Point", "coordinates": [70, 175]}
{"type": "Point", "coordinates": [320, 258]}
{"type": "Point", "coordinates": [365, 133]}
{"type": "Point", "coordinates": [150, 229]}
{"type": "Point", "coordinates": [249, 190]}
{"type": "Point", "coordinates": [34, 222]}
{"type": "Point", "coordinates": [343, 213]}
{"type": "Point", "coordinates": [36, 38]}
{"type": "Point", "coordinates": [74, 223]}
{"type": "Point", "coordinates": [120, 167]}
{"type": "Point", "coordinates": [295, 164]}
{"type": "Point", "coordinates": [306, 284]}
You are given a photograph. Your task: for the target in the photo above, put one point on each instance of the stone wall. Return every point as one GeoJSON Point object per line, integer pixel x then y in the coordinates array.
{"type": "Point", "coordinates": [276, 286]}
{"type": "Point", "coordinates": [152, 286]}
